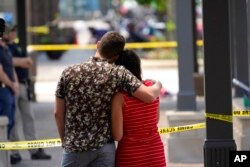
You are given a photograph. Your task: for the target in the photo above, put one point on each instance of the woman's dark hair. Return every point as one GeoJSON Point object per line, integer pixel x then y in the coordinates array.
{"type": "Point", "coordinates": [131, 61]}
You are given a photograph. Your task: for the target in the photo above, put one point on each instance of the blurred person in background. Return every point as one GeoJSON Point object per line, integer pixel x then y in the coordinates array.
{"type": "Point", "coordinates": [134, 123]}
{"type": "Point", "coordinates": [24, 113]}
{"type": "Point", "coordinates": [83, 104]}
{"type": "Point", "coordinates": [8, 84]}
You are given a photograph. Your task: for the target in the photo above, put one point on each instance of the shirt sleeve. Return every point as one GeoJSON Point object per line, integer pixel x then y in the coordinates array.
{"type": "Point", "coordinates": [60, 89]}
{"type": "Point", "coordinates": [148, 82]}
{"type": "Point", "coordinates": [129, 82]}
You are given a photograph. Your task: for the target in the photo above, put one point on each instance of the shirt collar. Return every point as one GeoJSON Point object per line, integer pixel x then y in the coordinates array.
{"type": "Point", "coordinates": [98, 59]}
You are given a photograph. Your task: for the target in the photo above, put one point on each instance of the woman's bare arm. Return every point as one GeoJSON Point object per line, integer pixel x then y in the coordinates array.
{"type": "Point", "coordinates": [117, 117]}
{"type": "Point", "coordinates": [148, 94]}
{"type": "Point", "coordinates": [59, 113]}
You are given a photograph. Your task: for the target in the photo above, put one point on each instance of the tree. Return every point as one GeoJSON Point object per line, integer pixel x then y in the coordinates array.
{"type": "Point", "coordinates": [159, 5]}
{"type": "Point", "coordinates": [165, 11]}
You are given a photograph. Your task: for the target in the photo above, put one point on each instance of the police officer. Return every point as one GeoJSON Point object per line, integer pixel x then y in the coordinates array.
{"type": "Point", "coordinates": [24, 113]}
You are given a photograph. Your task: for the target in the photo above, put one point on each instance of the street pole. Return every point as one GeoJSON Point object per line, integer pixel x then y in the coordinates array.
{"type": "Point", "coordinates": [218, 90]}
{"type": "Point", "coordinates": [21, 22]}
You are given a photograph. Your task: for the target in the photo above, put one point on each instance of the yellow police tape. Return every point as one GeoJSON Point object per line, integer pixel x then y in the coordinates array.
{"type": "Point", "coordinates": [45, 143]}
{"type": "Point", "coordinates": [135, 45]}
{"type": "Point", "coordinates": [38, 29]}
{"type": "Point", "coordinates": [93, 46]}
{"type": "Point", "coordinates": [228, 118]}
{"type": "Point", "coordinates": [181, 128]}
{"type": "Point", "coordinates": [241, 113]}
{"type": "Point", "coordinates": [32, 144]}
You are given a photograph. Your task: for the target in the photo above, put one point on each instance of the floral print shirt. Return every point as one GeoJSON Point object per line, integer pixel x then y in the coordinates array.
{"type": "Point", "coordinates": [87, 89]}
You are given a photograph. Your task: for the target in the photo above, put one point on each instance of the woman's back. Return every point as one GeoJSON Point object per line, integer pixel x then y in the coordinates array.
{"type": "Point", "coordinates": [139, 118]}
{"type": "Point", "coordinates": [141, 144]}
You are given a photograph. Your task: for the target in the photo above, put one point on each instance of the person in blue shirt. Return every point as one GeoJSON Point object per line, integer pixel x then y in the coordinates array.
{"type": "Point", "coordinates": [8, 84]}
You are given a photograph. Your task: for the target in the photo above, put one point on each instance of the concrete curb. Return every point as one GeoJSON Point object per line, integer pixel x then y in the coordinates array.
{"type": "Point", "coordinates": [155, 63]}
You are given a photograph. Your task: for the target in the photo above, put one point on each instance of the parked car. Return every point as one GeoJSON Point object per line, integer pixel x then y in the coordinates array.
{"type": "Point", "coordinates": [56, 35]}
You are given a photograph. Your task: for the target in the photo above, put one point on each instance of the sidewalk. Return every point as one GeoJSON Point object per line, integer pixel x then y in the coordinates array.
{"type": "Point", "coordinates": [46, 129]}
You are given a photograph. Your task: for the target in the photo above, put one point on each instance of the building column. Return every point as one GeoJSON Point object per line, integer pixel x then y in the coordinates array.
{"type": "Point", "coordinates": [185, 36]}
{"type": "Point", "coordinates": [239, 41]}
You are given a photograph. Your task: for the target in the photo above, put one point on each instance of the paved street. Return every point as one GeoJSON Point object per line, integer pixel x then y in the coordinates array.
{"type": "Point", "coordinates": [47, 75]}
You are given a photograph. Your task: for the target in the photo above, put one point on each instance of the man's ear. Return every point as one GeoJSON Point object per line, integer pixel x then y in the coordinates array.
{"type": "Point", "coordinates": [97, 44]}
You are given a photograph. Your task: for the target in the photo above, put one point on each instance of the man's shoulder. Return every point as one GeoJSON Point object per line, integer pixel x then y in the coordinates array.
{"type": "Point", "coordinates": [76, 67]}
{"type": "Point", "coordinates": [118, 67]}
{"type": "Point", "coordinates": [71, 67]}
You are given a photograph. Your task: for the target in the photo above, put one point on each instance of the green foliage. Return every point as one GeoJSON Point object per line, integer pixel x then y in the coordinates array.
{"type": "Point", "coordinates": [144, 2]}
{"type": "Point", "coordinates": [170, 25]}
{"type": "Point", "coordinates": [159, 5]}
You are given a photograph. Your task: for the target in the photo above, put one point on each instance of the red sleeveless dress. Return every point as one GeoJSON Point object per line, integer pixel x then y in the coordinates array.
{"type": "Point", "coordinates": [141, 145]}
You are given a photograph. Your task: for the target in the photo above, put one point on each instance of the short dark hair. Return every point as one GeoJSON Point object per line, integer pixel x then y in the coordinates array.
{"type": "Point", "coordinates": [131, 61]}
{"type": "Point", "coordinates": [111, 44]}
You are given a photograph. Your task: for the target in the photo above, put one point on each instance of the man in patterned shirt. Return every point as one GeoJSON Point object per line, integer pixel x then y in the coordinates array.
{"type": "Point", "coordinates": [83, 104]}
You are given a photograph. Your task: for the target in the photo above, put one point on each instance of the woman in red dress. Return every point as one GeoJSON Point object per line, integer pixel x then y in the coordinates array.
{"type": "Point", "coordinates": [134, 123]}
